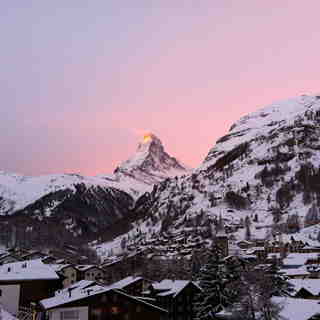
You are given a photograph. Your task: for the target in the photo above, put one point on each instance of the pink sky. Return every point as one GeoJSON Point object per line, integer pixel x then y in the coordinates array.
{"type": "Point", "coordinates": [79, 92]}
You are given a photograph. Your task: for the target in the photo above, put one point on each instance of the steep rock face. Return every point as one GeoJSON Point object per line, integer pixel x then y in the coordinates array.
{"type": "Point", "coordinates": [151, 163]}
{"type": "Point", "coordinates": [266, 168]}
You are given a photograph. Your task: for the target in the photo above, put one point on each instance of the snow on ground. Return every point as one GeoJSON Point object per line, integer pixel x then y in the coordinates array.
{"type": "Point", "coordinates": [261, 122]}
{"type": "Point", "coordinates": [20, 191]}
{"type": "Point", "coordinates": [4, 315]}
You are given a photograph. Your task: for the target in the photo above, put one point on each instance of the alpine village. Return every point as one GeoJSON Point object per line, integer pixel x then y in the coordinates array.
{"type": "Point", "coordinates": [236, 238]}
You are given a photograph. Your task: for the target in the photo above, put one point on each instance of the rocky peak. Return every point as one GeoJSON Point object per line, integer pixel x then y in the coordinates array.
{"type": "Point", "coordinates": [151, 163]}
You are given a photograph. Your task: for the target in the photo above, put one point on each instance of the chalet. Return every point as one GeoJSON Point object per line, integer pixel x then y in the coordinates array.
{"type": "Point", "coordinates": [68, 271]}
{"type": "Point", "coordinates": [89, 272]}
{"type": "Point", "coordinates": [24, 282]}
{"type": "Point", "coordinates": [86, 300]}
{"type": "Point", "coordinates": [177, 296]}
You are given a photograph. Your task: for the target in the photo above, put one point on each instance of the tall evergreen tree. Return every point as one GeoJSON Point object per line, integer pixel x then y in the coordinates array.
{"type": "Point", "coordinates": [216, 290]}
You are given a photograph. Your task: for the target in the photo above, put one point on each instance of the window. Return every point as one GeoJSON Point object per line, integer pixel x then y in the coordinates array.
{"type": "Point", "coordinates": [69, 315]}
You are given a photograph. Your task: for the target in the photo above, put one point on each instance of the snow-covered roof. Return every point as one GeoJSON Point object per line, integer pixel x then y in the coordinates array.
{"type": "Point", "coordinates": [312, 285]}
{"type": "Point", "coordinates": [85, 267]}
{"type": "Point", "coordinates": [297, 309]}
{"type": "Point", "coordinates": [125, 282]}
{"type": "Point", "coordinates": [27, 270]}
{"type": "Point", "coordinates": [299, 258]}
{"type": "Point", "coordinates": [76, 293]}
{"type": "Point", "coordinates": [253, 249]}
{"type": "Point", "coordinates": [170, 287]}
{"type": "Point", "coordinates": [59, 267]}
{"type": "Point", "coordinates": [84, 289]}
{"type": "Point", "coordinates": [5, 315]}
{"type": "Point", "coordinates": [296, 271]}
{"type": "Point", "coordinates": [274, 255]}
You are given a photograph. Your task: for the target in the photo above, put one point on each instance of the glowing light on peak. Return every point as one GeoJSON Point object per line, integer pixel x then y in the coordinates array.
{"type": "Point", "coordinates": [147, 137]}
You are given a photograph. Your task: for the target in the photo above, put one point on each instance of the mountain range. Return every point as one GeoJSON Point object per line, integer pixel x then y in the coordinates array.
{"type": "Point", "coordinates": [264, 171]}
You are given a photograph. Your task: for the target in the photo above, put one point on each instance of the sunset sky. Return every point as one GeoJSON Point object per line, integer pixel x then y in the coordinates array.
{"type": "Point", "coordinates": [82, 81]}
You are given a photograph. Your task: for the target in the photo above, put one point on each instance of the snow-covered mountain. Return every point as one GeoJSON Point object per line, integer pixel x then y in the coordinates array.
{"type": "Point", "coordinates": [88, 204]}
{"type": "Point", "coordinates": [151, 163]}
{"type": "Point", "coordinates": [266, 169]}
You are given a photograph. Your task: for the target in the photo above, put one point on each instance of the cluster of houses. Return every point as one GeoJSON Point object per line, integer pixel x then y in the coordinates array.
{"type": "Point", "coordinates": [39, 290]}
{"type": "Point", "coordinates": [42, 286]}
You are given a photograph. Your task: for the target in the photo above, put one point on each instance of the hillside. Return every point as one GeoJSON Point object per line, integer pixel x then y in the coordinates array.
{"type": "Point", "coordinates": [264, 172]}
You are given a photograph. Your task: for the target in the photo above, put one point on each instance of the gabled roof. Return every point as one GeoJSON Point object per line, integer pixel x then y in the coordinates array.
{"type": "Point", "coordinates": [312, 285]}
{"type": "Point", "coordinates": [73, 294]}
{"type": "Point", "coordinates": [27, 270]}
{"type": "Point", "coordinates": [171, 287]}
{"type": "Point", "coordinates": [125, 282]}
{"type": "Point", "coordinates": [84, 289]}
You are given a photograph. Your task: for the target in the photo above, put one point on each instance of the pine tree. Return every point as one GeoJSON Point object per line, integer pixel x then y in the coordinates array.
{"type": "Point", "coordinates": [216, 292]}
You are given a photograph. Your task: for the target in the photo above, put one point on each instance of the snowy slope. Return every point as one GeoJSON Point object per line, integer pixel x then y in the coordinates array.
{"type": "Point", "coordinates": [17, 191]}
{"type": "Point", "coordinates": [149, 165]}
{"type": "Point", "coordinates": [267, 168]}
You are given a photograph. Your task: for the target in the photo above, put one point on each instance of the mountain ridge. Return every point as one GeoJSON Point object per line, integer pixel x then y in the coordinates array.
{"type": "Point", "coordinates": [266, 170]}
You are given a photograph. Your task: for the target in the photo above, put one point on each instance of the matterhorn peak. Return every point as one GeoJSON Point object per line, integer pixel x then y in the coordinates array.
{"type": "Point", "coordinates": [151, 163]}
{"type": "Point", "coordinates": [149, 140]}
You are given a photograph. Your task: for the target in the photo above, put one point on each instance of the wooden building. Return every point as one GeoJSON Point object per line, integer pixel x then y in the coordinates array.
{"type": "Point", "coordinates": [177, 296]}
{"type": "Point", "coordinates": [89, 272]}
{"type": "Point", "coordinates": [94, 302]}
{"type": "Point", "coordinates": [24, 282]}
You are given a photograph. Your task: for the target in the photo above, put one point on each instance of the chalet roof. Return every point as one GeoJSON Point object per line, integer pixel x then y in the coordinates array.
{"type": "Point", "coordinates": [299, 258]}
{"type": "Point", "coordinates": [293, 307]}
{"type": "Point", "coordinates": [9, 254]}
{"type": "Point", "coordinates": [254, 249]}
{"type": "Point", "coordinates": [59, 267]}
{"type": "Point", "coordinates": [27, 270]}
{"type": "Point", "coordinates": [243, 241]}
{"type": "Point", "coordinates": [125, 282]}
{"type": "Point", "coordinates": [312, 285]}
{"type": "Point", "coordinates": [85, 267]}
{"type": "Point", "coordinates": [76, 293]}
{"type": "Point", "coordinates": [300, 271]}
{"type": "Point", "coordinates": [170, 287]}
{"type": "Point", "coordinates": [83, 289]}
